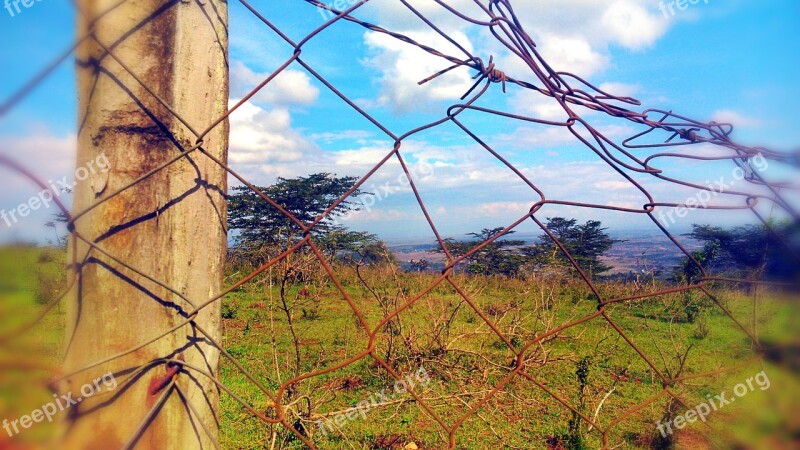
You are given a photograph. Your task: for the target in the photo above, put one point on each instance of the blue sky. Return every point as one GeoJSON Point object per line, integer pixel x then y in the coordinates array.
{"type": "Point", "coordinates": [730, 60]}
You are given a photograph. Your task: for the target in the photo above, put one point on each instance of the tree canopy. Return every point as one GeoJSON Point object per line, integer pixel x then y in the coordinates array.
{"type": "Point", "coordinates": [746, 250]}
{"type": "Point", "coordinates": [513, 258]}
{"type": "Point", "coordinates": [586, 243]}
{"type": "Point", "coordinates": [264, 229]}
{"type": "Point", "coordinates": [500, 257]}
{"type": "Point", "coordinates": [259, 223]}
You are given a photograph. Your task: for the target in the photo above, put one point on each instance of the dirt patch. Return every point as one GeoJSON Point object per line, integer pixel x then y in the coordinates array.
{"type": "Point", "coordinates": [347, 384]}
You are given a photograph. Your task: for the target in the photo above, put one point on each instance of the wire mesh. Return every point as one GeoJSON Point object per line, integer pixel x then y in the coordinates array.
{"type": "Point", "coordinates": [712, 142]}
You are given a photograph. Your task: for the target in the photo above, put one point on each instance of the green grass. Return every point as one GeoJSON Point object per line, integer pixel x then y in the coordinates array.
{"type": "Point", "coordinates": [30, 278]}
{"type": "Point", "coordinates": [465, 359]}
{"type": "Point", "coordinates": [521, 415]}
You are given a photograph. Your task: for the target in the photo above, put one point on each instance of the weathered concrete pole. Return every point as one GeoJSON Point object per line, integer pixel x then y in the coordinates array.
{"type": "Point", "coordinates": [171, 226]}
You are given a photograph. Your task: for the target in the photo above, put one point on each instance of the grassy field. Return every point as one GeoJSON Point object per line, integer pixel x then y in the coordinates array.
{"type": "Point", "coordinates": [311, 328]}
{"type": "Point", "coordinates": [30, 278]}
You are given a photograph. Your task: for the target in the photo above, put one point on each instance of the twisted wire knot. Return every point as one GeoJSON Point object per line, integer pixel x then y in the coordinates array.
{"type": "Point", "coordinates": [493, 74]}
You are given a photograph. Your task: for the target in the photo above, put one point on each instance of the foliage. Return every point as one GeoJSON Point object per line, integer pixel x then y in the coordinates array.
{"type": "Point", "coordinates": [421, 265]}
{"type": "Point", "coordinates": [500, 257]}
{"type": "Point", "coordinates": [513, 258]}
{"type": "Point", "coordinates": [229, 312]}
{"type": "Point", "coordinates": [748, 250]}
{"type": "Point", "coordinates": [575, 440]}
{"type": "Point", "coordinates": [585, 243]}
{"type": "Point", "coordinates": [261, 224]}
{"type": "Point", "coordinates": [264, 231]}
{"type": "Point", "coordinates": [357, 247]}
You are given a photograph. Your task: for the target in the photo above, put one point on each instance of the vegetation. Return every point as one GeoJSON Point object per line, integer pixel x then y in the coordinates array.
{"type": "Point", "coordinates": [292, 320]}
{"type": "Point", "coordinates": [513, 258]}
{"type": "Point", "coordinates": [500, 257]}
{"type": "Point", "coordinates": [586, 243]}
{"type": "Point", "coordinates": [589, 365]}
{"type": "Point", "coordinates": [749, 251]}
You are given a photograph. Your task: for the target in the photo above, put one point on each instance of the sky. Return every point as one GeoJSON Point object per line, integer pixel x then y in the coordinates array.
{"type": "Point", "coordinates": [726, 60]}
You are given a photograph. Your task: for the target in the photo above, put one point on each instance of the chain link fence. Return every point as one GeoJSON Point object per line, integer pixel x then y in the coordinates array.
{"type": "Point", "coordinates": [523, 366]}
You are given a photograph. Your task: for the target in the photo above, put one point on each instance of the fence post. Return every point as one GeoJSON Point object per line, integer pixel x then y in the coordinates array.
{"type": "Point", "coordinates": [170, 226]}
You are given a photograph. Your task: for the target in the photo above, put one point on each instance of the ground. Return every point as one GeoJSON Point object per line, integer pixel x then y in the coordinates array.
{"type": "Point", "coordinates": [461, 358]}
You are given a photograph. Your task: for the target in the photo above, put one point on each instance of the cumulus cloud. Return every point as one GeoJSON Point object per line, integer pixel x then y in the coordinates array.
{"type": "Point", "coordinates": [401, 66]}
{"type": "Point", "coordinates": [620, 89]}
{"type": "Point", "coordinates": [290, 87]}
{"type": "Point", "coordinates": [633, 25]}
{"type": "Point", "coordinates": [265, 145]}
{"type": "Point", "coordinates": [567, 53]}
{"type": "Point", "coordinates": [572, 35]}
{"type": "Point", "coordinates": [630, 24]}
{"type": "Point", "coordinates": [264, 137]}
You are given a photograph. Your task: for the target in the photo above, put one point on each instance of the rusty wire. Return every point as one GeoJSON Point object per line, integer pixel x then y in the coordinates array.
{"type": "Point", "coordinates": [569, 90]}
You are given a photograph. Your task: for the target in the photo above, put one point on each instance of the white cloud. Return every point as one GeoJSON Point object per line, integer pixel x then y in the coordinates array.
{"type": "Point", "coordinates": [332, 136]}
{"type": "Point", "coordinates": [538, 106]}
{"type": "Point", "coordinates": [401, 66]}
{"type": "Point", "coordinates": [493, 209]}
{"type": "Point", "coordinates": [46, 155]}
{"type": "Point", "coordinates": [264, 145]}
{"type": "Point", "coordinates": [610, 185]}
{"type": "Point", "coordinates": [264, 136]}
{"type": "Point", "coordinates": [572, 35]}
{"type": "Point", "coordinates": [620, 89]}
{"type": "Point", "coordinates": [632, 25]}
{"type": "Point", "coordinates": [570, 54]}
{"type": "Point", "coordinates": [735, 118]}
{"type": "Point", "coordinates": [290, 87]}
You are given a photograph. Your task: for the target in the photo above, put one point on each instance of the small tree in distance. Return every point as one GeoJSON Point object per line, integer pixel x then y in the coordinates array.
{"type": "Point", "coordinates": [501, 257]}
{"type": "Point", "coordinates": [513, 258]}
{"type": "Point", "coordinates": [745, 251]}
{"type": "Point", "coordinates": [585, 243]}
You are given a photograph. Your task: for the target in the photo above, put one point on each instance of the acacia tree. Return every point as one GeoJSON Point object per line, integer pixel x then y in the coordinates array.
{"type": "Point", "coordinates": [263, 232]}
{"type": "Point", "coordinates": [500, 257]}
{"type": "Point", "coordinates": [748, 250]}
{"type": "Point", "coordinates": [509, 257]}
{"type": "Point", "coordinates": [585, 243]}
{"type": "Point", "coordinates": [260, 224]}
